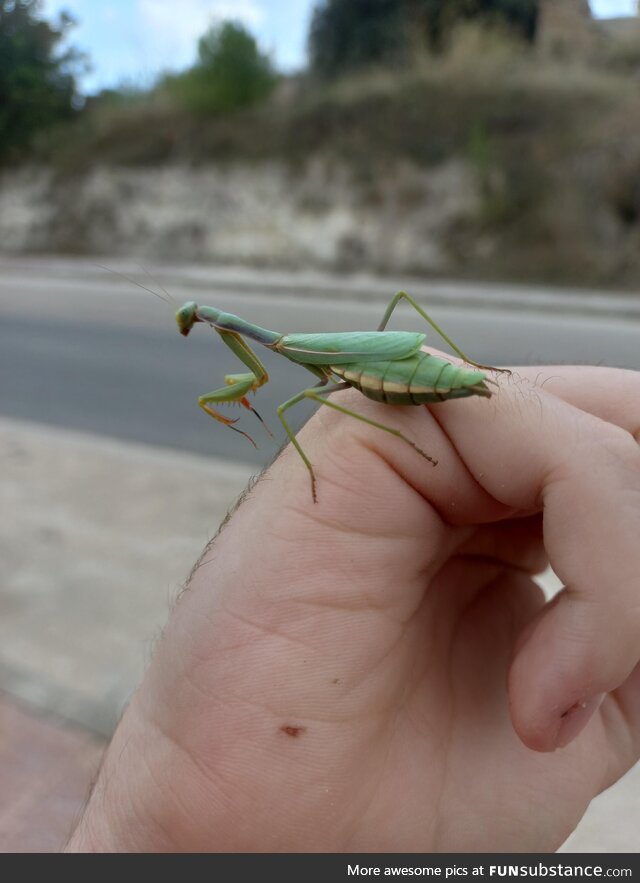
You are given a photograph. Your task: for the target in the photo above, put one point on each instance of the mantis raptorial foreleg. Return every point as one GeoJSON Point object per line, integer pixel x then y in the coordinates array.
{"type": "Point", "coordinates": [402, 295]}
{"type": "Point", "coordinates": [237, 385]}
{"type": "Point", "coordinates": [316, 395]}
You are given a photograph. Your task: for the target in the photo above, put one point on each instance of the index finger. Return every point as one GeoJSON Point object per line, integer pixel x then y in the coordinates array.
{"type": "Point", "coordinates": [613, 394]}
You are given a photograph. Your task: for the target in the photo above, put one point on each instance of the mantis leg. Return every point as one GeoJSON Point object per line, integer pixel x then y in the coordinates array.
{"type": "Point", "coordinates": [402, 295]}
{"type": "Point", "coordinates": [235, 391]}
{"type": "Point", "coordinates": [237, 385]}
{"type": "Point", "coordinates": [316, 396]}
{"type": "Point", "coordinates": [292, 438]}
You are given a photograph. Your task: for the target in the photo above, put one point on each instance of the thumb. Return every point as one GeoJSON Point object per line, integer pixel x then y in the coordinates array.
{"type": "Point", "coordinates": [586, 643]}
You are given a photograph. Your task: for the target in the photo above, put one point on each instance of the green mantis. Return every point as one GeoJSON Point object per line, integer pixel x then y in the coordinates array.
{"type": "Point", "coordinates": [387, 366]}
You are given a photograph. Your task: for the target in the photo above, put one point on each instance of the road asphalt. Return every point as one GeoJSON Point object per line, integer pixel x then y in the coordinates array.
{"type": "Point", "coordinates": [88, 350]}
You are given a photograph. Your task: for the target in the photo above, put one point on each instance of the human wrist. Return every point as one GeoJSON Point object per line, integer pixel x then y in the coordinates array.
{"type": "Point", "coordinates": [127, 795]}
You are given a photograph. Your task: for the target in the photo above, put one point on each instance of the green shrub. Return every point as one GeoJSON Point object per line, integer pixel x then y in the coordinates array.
{"type": "Point", "coordinates": [231, 73]}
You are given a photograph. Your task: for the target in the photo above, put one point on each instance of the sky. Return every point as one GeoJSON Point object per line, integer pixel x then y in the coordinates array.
{"type": "Point", "coordinates": [129, 42]}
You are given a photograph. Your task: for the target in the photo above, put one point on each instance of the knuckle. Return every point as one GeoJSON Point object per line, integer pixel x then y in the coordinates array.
{"type": "Point", "coordinates": [622, 446]}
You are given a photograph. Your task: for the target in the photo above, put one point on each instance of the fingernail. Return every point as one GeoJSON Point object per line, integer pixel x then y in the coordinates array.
{"type": "Point", "coordinates": [575, 718]}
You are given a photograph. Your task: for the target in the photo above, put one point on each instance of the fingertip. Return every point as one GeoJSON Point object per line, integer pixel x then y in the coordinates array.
{"type": "Point", "coordinates": [575, 719]}
{"type": "Point", "coordinates": [557, 680]}
{"type": "Point", "coordinates": [548, 733]}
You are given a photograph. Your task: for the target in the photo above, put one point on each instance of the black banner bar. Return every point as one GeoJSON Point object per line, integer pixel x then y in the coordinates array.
{"type": "Point", "coordinates": [493, 867]}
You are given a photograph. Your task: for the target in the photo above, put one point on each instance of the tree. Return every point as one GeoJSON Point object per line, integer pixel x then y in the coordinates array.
{"type": "Point", "coordinates": [37, 78]}
{"type": "Point", "coordinates": [346, 34]}
{"type": "Point", "coordinates": [519, 15]}
{"type": "Point", "coordinates": [231, 72]}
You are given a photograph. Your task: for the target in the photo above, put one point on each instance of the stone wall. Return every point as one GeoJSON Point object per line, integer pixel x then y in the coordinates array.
{"type": "Point", "coordinates": [622, 30]}
{"type": "Point", "coordinates": [566, 29]}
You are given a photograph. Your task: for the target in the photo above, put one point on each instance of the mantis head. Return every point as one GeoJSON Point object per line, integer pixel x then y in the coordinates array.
{"type": "Point", "coordinates": [186, 317]}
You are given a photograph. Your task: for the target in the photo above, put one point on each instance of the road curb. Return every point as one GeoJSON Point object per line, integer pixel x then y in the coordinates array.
{"type": "Point", "coordinates": [362, 287]}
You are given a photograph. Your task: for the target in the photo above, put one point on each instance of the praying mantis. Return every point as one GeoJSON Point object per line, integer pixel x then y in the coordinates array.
{"type": "Point", "coordinates": [387, 366]}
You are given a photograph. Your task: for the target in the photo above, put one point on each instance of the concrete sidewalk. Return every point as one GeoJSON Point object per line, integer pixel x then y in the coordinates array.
{"type": "Point", "coordinates": [78, 619]}
{"type": "Point", "coordinates": [100, 538]}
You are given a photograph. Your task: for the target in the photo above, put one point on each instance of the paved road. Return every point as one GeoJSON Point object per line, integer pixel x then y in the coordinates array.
{"type": "Point", "coordinates": [85, 349]}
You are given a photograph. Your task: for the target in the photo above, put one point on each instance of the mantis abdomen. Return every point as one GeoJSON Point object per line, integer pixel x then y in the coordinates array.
{"type": "Point", "coordinates": [416, 380]}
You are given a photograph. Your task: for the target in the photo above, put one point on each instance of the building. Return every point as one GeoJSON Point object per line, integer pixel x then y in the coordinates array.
{"type": "Point", "coordinates": [567, 28]}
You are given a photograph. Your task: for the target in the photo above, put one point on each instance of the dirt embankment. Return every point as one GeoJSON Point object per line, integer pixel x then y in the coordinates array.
{"type": "Point", "coordinates": [259, 213]}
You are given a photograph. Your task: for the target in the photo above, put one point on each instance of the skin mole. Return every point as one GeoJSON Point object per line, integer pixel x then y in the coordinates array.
{"type": "Point", "coordinates": [294, 732]}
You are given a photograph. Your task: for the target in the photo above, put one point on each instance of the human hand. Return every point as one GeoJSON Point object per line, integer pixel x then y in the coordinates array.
{"type": "Point", "coordinates": [379, 672]}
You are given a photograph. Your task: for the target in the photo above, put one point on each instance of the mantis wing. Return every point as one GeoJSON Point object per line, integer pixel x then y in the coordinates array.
{"type": "Point", "coordinates": [349, 346]}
